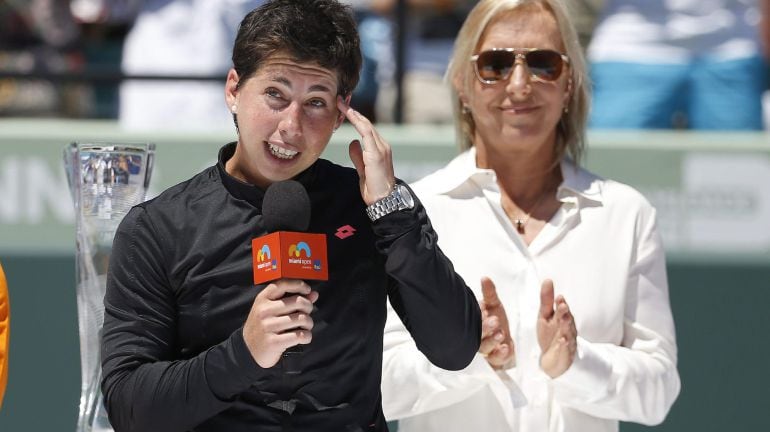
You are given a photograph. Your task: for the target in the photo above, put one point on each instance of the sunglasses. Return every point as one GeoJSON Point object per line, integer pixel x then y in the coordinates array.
{"type": "Point", "coordinates": [497, 64]}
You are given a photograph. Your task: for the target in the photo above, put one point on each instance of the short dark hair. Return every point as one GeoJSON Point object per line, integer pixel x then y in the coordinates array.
{"type": "Point", "coordinates": [321, 31]}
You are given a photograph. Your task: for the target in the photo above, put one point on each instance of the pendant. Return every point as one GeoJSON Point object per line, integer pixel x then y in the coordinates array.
{"type": "Point", "coordinates": [519, 225]}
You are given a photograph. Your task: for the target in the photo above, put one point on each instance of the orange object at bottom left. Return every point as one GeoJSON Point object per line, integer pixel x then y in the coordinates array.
{"type": "Point", "coordinates": [5, 317]}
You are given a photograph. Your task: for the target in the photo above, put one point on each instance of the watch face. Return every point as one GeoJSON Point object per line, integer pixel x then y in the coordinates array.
{"type": "Point", "coordinates": [406, 196]}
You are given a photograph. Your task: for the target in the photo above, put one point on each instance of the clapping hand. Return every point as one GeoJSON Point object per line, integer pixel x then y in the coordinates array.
{"type": "Point", "coordinates": [556, 332]}
{"type": "Point", "coordinates": [496, 341]}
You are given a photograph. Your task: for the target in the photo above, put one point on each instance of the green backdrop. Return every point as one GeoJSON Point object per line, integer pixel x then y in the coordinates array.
{"type": "Point", "coordinates": [714, 207]}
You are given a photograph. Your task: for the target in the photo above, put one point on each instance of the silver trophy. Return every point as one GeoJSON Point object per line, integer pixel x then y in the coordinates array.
{"type": "Point", "coordinates": [106, 180]}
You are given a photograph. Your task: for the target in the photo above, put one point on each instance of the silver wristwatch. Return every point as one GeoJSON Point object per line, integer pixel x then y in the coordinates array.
{"type": "Point", "coordinates": [399, 199]}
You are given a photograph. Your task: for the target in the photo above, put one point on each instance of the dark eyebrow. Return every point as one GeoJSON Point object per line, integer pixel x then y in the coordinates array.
{"type": "Point", "coordinates": [282, 80]}
{"type": "Point", "coordinates": [321, 88]}
{"type": "Point", "coordinates": [315, 87]}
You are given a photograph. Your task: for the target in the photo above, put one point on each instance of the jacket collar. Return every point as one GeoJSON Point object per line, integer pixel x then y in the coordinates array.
{"type": "Point", "coordinates": [249, 192]}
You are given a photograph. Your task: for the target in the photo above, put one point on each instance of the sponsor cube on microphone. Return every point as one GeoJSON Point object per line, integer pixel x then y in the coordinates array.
{"type": "Point", "coordinates": [289, 255]}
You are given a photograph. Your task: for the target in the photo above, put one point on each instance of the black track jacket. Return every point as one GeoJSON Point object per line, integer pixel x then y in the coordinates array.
{"type": "Point", "coordinates": [180, 287]}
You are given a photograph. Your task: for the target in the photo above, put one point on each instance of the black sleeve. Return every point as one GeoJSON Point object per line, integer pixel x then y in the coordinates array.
{"type": "Point", "coordinates": [145, 385]}
{"type": "Point", "coordinates": [434, 303]}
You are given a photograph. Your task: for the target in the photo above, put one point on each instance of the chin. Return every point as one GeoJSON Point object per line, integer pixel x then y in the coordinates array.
{"type": "Point", "coordinates": [523, 132]}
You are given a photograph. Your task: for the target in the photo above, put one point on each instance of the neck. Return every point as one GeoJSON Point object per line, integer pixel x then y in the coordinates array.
{"type": "Point", "coordinates": [235, 166]}
{"type": "Point", "coordinates": [523, 176]}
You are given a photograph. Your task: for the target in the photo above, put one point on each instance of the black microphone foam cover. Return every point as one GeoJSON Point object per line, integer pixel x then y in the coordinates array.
{"type": "Point", "coordinates": [286, 207]}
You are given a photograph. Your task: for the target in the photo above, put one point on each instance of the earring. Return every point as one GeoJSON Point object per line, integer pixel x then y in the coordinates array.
{"type": "Point", "coordinates": [466, 109]}
{"type": "Point", "coordinates": [233, 109]}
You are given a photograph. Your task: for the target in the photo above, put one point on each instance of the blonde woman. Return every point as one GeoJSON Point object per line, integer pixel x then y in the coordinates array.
{"type": "Point", "coordinates": [577, 328]}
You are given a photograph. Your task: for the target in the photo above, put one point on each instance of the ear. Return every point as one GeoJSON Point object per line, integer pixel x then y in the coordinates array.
{"type": "Point", "coordinates": [231, 89]}
{"type": "Point", "coordinates": [341, 116]}
{"type": "Point", "coordinates": [459, 86]}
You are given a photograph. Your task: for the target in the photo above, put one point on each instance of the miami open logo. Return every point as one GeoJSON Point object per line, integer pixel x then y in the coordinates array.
{"type": "Point", "coordinates": [296, 250]}
{"type": "Point", "coordinates": [264, 260]}
{"type": "Point", "coordinates": [296, 253]}
{"type": "Point", "coordinates": [263, 254]}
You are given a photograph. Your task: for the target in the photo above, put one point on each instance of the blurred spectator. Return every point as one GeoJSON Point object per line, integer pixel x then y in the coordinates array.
{"type": "Point", "coordinates": [431, 27]}
{"type": "Point", "coordinates": [377, 50]}
{"type": "Point", "coordinates": [678, 63]}
{"type": "Point", "coordinates": [104, 11]}
{"type": "Point", "coordinates": [584, 15]}
{"type": "Point", "coordinates": [183, 38]}
{"type": "Point", "coordinates": [54, 41]}
{"type": "Point", "coordinates": [104, 24]}
{"type": "Point", "coordinates": [35, 36]}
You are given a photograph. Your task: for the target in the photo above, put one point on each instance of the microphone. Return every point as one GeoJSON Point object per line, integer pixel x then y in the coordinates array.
{"type": "Point", "coordinates": [287, 251]}
{"type": "Point", "coordinates": [286, 207]}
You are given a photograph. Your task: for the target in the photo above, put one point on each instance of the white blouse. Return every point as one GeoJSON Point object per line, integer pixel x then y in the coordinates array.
{"type": "Point", "coordinates": [603, 253]}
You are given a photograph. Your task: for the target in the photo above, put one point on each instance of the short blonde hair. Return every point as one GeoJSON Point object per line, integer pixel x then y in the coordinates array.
{"type": "Point", "coordinates": [570, 137]}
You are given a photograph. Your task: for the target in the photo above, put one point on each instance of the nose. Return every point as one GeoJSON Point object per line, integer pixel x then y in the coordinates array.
{"type": "Point", "coordinates": [519, 83]}
{"type": "Point", "coordinates": [290, 126]}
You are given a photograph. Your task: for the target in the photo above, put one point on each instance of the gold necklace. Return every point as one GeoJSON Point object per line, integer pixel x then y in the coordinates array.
{"type": "Point", "coordinates": [520, 223]}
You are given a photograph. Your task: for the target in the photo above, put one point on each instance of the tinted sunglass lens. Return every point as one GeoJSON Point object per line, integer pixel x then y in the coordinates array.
{"type": "Point", "coordinates": [494, 65]}
{"type": "Point", "coordinates": [545, 64]}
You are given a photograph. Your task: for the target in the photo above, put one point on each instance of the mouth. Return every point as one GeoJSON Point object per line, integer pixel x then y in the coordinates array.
{"type": "Point", "coordinates": [280, 152]}
{"type": "Point", "coordinates": [519, 109]}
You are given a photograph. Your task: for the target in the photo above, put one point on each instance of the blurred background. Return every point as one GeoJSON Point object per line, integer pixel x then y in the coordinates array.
{"type": "Point", "coordinates": [126, 71]}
